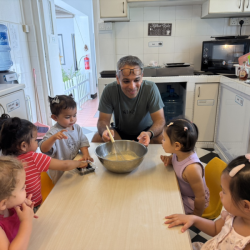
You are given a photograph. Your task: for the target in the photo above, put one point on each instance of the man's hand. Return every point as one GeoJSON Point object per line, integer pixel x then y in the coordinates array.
{"type": "Point", "coordinates": [180, 219]}
{"type": "Point", "coordinates": [144, 138]}
{"type": "Point", "coordinates": [105, 135]}
{"type": "Point", "coordinates": [167, 160]}
{"type": "Point", "coordinates": [60, 135]}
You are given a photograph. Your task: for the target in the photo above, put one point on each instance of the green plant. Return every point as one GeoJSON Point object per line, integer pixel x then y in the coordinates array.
{"type": "Point", "coordinates": [70, 74]}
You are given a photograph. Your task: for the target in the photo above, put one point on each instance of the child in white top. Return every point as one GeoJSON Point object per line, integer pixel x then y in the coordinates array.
{"type": "Point", "coordinates": [232, 230]}
{"type": "Point", "coordinates": [64, 140]}
{"type": "Point", "coordinates": [15, 221]}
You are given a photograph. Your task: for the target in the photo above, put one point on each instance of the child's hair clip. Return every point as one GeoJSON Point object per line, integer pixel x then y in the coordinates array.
{"type": "Point", "coordinates": [248, 156]}
{"type": "Point", "coordinates": [55, 100]}
{"type": "Point", "coordinates": [235, 170]}
{"type": "Point", "coordinates": [185, 128]}
{"type": "Point", "coordinates": [170, 124]}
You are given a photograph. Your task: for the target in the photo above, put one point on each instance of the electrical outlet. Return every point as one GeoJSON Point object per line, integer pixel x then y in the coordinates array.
{"type": "Point", "coordinates": [245, 19]}
{"type": "Point", "coordinates": [236, 20]}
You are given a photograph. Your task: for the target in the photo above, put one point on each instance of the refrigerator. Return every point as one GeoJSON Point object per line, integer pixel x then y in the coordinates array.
{"type": "Point", "coordinates": [233, 120]}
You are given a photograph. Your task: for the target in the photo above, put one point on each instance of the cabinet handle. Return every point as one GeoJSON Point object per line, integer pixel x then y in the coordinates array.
{"type": "Point", "coordinates": [199, 91]}
{"type": "Point", "coordinates": [247, 4]}
{"type": "Point", "coordinates": [123, 7]}
{"type": "Point", "coordinates": [239, 4]}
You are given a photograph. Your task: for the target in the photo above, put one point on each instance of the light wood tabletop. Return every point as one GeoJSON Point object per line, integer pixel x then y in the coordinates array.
{"type": "Point", "coordinates": [108, 211]}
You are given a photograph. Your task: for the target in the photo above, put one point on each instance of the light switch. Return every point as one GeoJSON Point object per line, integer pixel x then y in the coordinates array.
{"type": "Point", "coordinates": [155, 44]}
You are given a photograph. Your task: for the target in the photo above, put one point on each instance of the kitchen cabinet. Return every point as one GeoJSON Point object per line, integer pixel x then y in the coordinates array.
{"type": "Point", "coordinates": [114, 10]}
{"type": "Point", "coordinates": [225, 8]}
{"type": "Point", "coordinates": [205, 107]}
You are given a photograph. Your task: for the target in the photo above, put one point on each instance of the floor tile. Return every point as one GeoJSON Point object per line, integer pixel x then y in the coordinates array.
{"type": "Point", "coordinates": [201, 152]}
{"type": "Point", "coordinates": [199, 238]}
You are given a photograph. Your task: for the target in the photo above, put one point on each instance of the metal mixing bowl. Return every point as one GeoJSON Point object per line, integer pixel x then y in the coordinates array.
{"type": "Point", "coordinates": [121, 166]}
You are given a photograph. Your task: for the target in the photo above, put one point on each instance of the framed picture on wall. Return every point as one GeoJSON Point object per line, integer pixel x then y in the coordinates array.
{"type": "Point", "coordinates": [74, 51]}
{"type": "Point", "coordinates": [61, 49]}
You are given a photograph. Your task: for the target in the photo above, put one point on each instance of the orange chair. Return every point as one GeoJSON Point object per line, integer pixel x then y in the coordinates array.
{"type": "Point", "coordinates": [46, 185]}
{"type": "Point", "coordinates": [213, 172]}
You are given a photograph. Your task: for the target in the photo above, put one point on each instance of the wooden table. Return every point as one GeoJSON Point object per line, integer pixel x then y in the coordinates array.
{"type": "Point", "coordinates": [105, 211]}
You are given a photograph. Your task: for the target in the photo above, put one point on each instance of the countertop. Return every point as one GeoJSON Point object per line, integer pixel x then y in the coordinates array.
{"type": "Point", "coordinates": [108, 211]}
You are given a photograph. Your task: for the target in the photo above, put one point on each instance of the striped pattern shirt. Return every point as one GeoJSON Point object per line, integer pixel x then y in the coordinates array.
{"type": "Point", "coordinates": [35, 164]}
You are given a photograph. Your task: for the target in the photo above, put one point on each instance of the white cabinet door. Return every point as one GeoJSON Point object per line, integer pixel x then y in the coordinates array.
{"type": "Point", "coordinates": [113, 8]}
{"type": "Point", "coordinates": [205, 107]}
{"type": "Point", "coordinates": [247, 6]}
{"type": "Point", "coordinates": [226, 6]}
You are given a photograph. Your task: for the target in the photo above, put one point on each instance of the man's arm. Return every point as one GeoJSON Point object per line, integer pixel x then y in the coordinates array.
{"type": "Point", "coordinates": [158, 122]}
{"type": "Point", "coordinates": [104, 119]}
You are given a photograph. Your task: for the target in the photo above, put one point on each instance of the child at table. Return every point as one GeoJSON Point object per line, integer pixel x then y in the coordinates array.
{"type": "Point", "coordinates": [232, 230]}
{"type": "Point", "coordinates": [15, 216]}
{"type": "Point", "coordinates": [179, 138]}
{"type": "Point", "coordinates": [65, 138]}
{"type": "Point", "coordinates": [18, 137]}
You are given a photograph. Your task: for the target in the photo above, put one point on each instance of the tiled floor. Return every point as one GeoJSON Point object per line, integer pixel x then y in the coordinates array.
{"type": "Point", "coordinates": [87, 118]}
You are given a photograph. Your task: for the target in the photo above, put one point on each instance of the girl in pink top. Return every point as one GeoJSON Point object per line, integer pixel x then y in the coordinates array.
{"type": "Point", "coordinates": [232, 230]}
{"type": "Point", "coordinates": [179, 138]}
{"type": "Point", "coordinates": [15, 216]}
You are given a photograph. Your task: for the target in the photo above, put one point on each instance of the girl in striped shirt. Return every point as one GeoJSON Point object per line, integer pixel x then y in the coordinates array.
{"type": "Point", "coordinates": [18, 137]}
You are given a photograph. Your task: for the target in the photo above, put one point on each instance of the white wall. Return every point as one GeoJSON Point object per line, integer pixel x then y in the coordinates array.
{"type": "Point", "coordinates": [185, 44]}
{"type": "Point", "coordinates": [12, 16]}
{"type": "Point", "coordinates": [65, 27]}
{"type": "Point", "coordinates": [85, 7]}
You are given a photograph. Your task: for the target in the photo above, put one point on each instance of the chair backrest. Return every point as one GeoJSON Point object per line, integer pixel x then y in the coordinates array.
{"type": "Point", "coordinates": [46, 185]}
{"type": "Point", "coordinates": [213, 172]}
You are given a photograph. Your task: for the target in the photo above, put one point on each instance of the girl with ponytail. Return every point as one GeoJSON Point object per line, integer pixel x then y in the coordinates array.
{"type": "Point", "coordinates": [179, 138]}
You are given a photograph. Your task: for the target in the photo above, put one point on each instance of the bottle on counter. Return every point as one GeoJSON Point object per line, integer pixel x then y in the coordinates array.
{"type": "Point", "coordinates": [243, 74]}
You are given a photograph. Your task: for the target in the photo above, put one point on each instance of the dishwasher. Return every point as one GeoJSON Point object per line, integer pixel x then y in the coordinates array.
{"type": "Point", "coordinates": [12, 100]}
{"type": "Point", "coordinates": [233, 133]}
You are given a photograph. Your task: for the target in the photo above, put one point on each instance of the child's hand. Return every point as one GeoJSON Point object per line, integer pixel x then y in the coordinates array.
{"type": "Point", "coordinates": [180, 219]}
{"type": "Point", "coordinates": [60, 135]}
{"type": "Point", "coordinates": [167, 160]}
{"type": "Point", "coordinates": [26, 213]}
{"type": "Point", "coordinates": [83, 164]}
{"type": "Point", "coordinates": [29, 203]}
{"type": "Point", "coordinates": [86, 158]}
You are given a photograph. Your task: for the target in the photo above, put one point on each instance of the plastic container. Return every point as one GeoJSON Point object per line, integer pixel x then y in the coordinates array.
{"type": "Point", "coordinates": [5, 57]}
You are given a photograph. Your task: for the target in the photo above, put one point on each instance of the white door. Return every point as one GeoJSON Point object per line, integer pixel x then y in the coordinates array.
{"type": "Point", "coordinates": [247, 6]}
{"type": "Point", "coordinates": [113, 8]}
{"type": "Point", "coordinates": [226, 6]}
{"type": "Point", "coordinates": [205, 107]}
{"type": "Point", "coordinates": [51, 48]}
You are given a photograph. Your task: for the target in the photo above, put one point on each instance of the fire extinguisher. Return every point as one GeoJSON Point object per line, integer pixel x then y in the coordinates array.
{"type": "Point", "coordinates": [86, 62]}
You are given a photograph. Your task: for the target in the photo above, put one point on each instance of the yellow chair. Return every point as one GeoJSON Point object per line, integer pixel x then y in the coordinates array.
{"type": "Point", "coordinates": [46, 185]}
{"type": "Point", "coordinates": [213, 172]}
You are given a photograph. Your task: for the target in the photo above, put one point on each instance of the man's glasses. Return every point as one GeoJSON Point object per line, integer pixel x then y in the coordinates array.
{"type": "Point", "coordinates": [127, 72]}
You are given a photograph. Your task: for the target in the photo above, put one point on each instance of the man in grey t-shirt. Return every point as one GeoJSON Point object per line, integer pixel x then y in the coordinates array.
{"type": "Point", "coordinates": [136, 104]}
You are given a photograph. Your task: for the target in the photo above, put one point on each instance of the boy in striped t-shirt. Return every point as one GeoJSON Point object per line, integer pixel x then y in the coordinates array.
{"type": "Point", "coordinates": [18, 137]}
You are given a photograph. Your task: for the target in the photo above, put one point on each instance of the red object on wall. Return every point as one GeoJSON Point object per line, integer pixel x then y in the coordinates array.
{"type": "Point", "coordinates": [86, 62]}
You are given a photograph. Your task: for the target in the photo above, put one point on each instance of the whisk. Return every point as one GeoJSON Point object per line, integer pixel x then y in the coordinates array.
{"type": "Point", "coordinates": [115, 148]}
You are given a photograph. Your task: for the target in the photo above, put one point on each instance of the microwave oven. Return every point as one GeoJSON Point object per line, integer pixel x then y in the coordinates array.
{"type": "Point", "coordinates": [219, 56]}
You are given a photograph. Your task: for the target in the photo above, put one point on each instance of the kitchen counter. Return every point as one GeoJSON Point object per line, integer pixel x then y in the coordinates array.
{"type": "Point", "coordinates": [106, 211]}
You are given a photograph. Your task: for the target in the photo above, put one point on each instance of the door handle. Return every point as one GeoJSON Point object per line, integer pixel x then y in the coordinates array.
{"type": "Point", "coordinates": [123, 7]}
{"type": "Point", "coordinates": [199, 91]}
